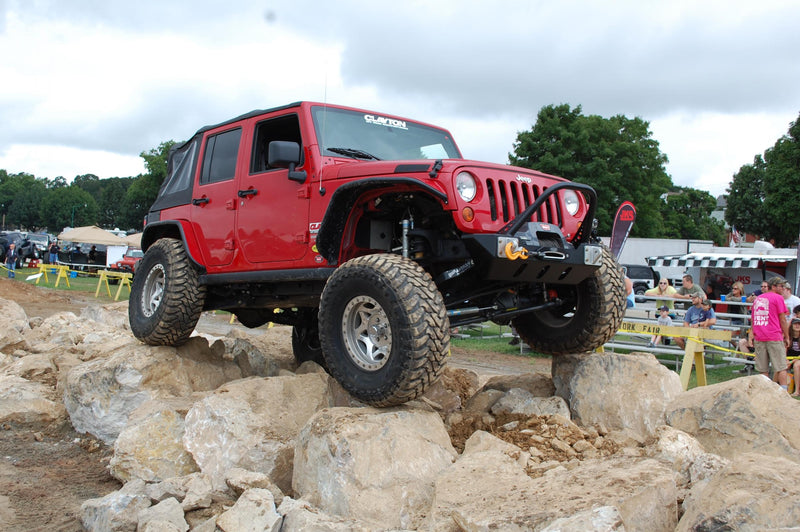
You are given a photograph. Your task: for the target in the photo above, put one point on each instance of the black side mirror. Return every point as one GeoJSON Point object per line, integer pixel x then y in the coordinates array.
{"type": "Point", "coordinates": [284, 154]}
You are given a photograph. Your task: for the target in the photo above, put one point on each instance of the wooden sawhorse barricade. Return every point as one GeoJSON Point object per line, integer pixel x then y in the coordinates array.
{"type": "Point", "coordinates": [61, 271]}
{"type": "Point", "coordinates": [124, 280]}
{"type": "Point", "coordinates": [693, 352]}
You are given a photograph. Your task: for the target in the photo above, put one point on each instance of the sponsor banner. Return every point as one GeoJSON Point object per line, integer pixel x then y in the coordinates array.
{"type": "Point", "coordinates": [623, 221]}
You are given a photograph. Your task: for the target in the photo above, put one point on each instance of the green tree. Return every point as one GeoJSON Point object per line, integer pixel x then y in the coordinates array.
{"type": "Point", "coordinates": [687, 214]}
{"type": "Point", "coordinates": [26, 209]}
{"type": "Point", "coordinates": [68, 207]}
{"type": "Point", "coordinates": [144, 190]}
{"type": "Point", "coordinates": [746, 198]}
{"type": "Point", "coordinates": [617, 156]}
{"type": "Point", "coordinates": [761, 196]}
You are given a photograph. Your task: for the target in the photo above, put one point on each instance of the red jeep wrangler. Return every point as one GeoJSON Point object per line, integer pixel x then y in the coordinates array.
{"type": "Point", "coordinates": [372, 237]}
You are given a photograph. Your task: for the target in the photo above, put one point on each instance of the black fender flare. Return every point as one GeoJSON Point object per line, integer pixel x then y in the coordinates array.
{"type": "Point", "coordinates": [345, 197]}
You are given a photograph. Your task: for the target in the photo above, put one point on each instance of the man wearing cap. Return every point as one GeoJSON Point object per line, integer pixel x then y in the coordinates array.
{"type": "Point", "coordinates": [770, 331]}
{"type": "Point", "coordinates": [693, 316]}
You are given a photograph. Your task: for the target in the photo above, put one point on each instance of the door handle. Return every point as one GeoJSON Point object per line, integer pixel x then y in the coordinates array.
{"type": "Point", "coordinates": [199, 201]}
{"type": "Point", "coordinates": [248, 192]}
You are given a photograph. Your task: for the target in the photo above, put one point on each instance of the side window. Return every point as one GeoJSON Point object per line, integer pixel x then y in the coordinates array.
{"type": "Point", "coordinates": [219, 160]}
{"type": "Point", "coordinates": [282, 128]}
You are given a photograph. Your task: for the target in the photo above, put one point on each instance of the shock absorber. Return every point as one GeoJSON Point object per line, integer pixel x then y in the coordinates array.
{"type": "Point", "coordinates": [408, 225]}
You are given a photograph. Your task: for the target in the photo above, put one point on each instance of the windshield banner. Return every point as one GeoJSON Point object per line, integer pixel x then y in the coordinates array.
{"type": "Point", "coordinates": [623, 221]}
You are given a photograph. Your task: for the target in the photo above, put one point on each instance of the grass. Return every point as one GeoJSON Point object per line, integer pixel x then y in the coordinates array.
{"type": "Point", "coordinates": [84, 282]}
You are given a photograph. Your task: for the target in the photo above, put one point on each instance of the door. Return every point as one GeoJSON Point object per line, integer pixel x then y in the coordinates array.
{"type": "Point", "coordinates": [272, 218]}
{"type": "Point", "coordinates": [214, 200]}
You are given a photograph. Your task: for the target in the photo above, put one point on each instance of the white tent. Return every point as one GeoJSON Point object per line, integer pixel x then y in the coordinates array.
{"type": "Point", "coordinates": [134, 240]}
{"type": "Point", "coordinates": [91, 234]}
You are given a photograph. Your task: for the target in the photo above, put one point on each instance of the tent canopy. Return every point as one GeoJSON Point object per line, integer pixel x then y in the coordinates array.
{"type": "Point", "coordinates": [134, 240]}
{"type": "Point", "coordinates": [91, 234]}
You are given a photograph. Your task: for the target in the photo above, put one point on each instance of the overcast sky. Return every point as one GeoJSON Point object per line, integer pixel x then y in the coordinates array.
{"type": "Point", "coordinates": [87, 85]}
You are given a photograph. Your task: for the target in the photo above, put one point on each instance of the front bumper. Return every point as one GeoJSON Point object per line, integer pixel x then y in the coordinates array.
{"type": "Point", "coordinates": [523, 258]}
{"type": "Point", "coordinates": [525, 251]}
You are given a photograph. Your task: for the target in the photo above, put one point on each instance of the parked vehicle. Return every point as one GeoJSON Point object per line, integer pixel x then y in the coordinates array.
{"type": "Point", "coordinates": [128, 261]}
{"type": "Point", "coordinates": [643, 277]}
{"type": "Point", "coordinates": [371, 236]}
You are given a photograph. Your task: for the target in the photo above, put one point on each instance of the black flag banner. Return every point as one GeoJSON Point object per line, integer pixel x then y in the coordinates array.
{"type": "Point", "coordinates": [623, 221]}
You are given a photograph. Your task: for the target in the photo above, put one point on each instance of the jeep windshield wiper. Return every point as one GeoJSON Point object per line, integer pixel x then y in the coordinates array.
{"type": "Point", "coordinates": [352, 152]}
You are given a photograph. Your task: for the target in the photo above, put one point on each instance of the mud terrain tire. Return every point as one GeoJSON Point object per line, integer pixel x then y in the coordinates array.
{"type": "Point", "coordinates": [166, 297]}
{"type": "Point", "coordinates": [383, 328]}
{"type": "Point", "coordinates": [590, 317]}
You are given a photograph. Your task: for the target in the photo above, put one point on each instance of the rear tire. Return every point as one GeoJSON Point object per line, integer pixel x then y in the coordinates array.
{"type": "Point", "coordinates": [166, 296]}
{"type": "Point", "coordinates": [590, 317]}
{"type": "Point", "coordinates": [305, 338]}
{"type": "Point", "coordinates": [383, 328]}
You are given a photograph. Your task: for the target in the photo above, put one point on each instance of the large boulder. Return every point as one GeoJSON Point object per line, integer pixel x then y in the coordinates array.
{"type": "Point", "coordinates": [150, 447]}
{"type": "Point", "coordinates": [624, 392]}
{"type": "Point", "coordinates": [488, 488]}
{"type": "Point", "coordinates": [13, 324]}
{"type": "Point", "coordinates": [749, 414]}
{"type": "Point", "coordinates": [26, 402]}
{"type": "Point", "coordinates": [252, 424]}
{"type": "Point", "coordinates": [100, 394]}
{"type": "Point", "coordinates": [753, 492]}
{"type": "Point", "coordinates": [378, 466]}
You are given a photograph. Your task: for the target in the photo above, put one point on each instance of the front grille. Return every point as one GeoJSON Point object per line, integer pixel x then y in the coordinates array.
{"type": "Point", "coordinates": [507, 199]}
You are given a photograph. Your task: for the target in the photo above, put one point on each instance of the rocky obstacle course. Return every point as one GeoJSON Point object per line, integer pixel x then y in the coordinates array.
{"type": "Point", "coordinates": [228, 434]}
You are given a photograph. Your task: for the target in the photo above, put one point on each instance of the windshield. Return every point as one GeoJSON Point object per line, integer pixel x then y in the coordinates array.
{"type": "Point", "coordinates": [368, 136]}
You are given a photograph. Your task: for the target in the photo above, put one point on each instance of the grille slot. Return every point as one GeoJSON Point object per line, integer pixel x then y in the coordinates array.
{"type": "Point", "coordinates": [507, 199]}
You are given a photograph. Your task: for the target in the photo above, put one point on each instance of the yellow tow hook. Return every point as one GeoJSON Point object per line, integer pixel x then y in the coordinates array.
{"type": "Point", "coordinates": [514, 254]}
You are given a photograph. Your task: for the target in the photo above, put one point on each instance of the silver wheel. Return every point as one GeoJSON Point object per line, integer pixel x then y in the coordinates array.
{"type": "Point", "coordinates": [367, 333]}
{"type": "Point", "coordinates": [153, 290]}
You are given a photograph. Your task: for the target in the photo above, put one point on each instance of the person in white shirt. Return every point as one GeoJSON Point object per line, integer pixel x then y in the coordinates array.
{"type": "Point", "coordinates": [790, 300]}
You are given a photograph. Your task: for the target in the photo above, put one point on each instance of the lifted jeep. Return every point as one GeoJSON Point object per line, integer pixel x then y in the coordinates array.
{"type": "Point", "coordinates": [372, 237]}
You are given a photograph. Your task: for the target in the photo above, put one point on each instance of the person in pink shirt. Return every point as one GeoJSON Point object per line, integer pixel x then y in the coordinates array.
{"type": "Point", "coordinates": [770, 331]}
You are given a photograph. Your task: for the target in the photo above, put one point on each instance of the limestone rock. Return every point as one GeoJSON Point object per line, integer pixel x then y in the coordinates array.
{"type": "Point", "coordinates": [240, 480]}
{"type": "Point", "coordinates": [252, 423]}
{"type": "Point", "coordinates": [254, 510]}
{"type": "Point", "coordinates": [13, 323]}
{"type": "Point", "coordinates": [23, 401]}
{"type": "Point", "coordinates": [150, 447]}
{"type": "Point", "coordinates": [300, 516]}
{"type": "Point", "coordinates": [38, 367]}
{"type": "Point", "coordinates": [749, 414]}
{"type": "Point", "coordinates": [624, 392]}
{"type": "Point", "coordinates": [519, 401]}
{"type": "Point", "coordinates": [100, 395]}
{"type": "Point", "coordinates": [488, 489]}
{"type": "Point", "coordinates": [538, 384]}
{"type": "Point", "coordinates": [377, 465]}
{"type": "Point", "coordinates": [676, 449]}
{"type": "Point", "coordinates": [165, 515]}
{"type": "Point", "coordinates": [602, 519]}
{"type": "Point", "coordinates": [753, 492]}
{"type": "Point", "coordinates": [117, 511]}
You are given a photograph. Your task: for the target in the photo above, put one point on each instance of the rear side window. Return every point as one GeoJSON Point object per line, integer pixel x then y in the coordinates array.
{"type": "Point", "coordinates": [219, 159]}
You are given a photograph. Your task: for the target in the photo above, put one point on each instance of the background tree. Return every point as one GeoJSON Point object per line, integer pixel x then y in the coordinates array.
{"type": "Point", "coordinates": [687, 214]}
{"type": "Point", "coordinates": [68, 207]}
{"type": "Point", "coordinates": [762, 196]}
{"type": "Point", "coordinates": [617, 156]}
{"type": "Point", "coordinates": [26, 209]}
{"type": "Point", "coordinates": [144, 190]}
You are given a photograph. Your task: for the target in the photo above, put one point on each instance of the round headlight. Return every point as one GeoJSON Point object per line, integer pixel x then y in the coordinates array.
{"type": "Point", "coordinates": [571, 201]}
{"type": "Point", "coordinates": [466, 186]}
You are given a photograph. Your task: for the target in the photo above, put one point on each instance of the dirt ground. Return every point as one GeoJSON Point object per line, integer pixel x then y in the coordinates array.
{"type": "Point", "coordinates": [47, 472]}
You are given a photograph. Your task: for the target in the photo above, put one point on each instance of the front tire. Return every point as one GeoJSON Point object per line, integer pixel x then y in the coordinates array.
{"type": "Point", "coordinates": [166, 296]}
{"type": "Point", "coordinates": [383, 329]}
{"type": "Point", "coordinates": [590, 316]}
